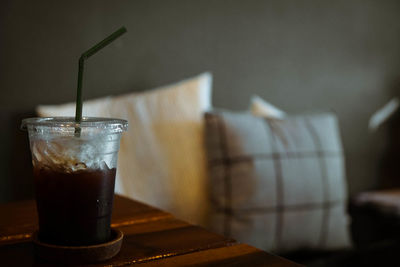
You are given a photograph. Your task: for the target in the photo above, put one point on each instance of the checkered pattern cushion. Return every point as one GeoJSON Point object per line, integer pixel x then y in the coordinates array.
{"type": "Point", "coordinates": [277, 185]}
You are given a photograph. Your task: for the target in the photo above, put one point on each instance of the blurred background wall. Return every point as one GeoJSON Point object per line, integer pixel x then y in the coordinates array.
{"type": "Point", "coordinates": [299, 55]}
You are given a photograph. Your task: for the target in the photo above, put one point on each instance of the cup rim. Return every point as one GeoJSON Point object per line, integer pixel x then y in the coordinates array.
{"type": "Point", "coordinates": [112, 124]}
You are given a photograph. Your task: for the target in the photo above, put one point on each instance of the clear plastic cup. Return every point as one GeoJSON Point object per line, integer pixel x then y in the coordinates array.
{"type": "Point", "coordinates": [74, 176]}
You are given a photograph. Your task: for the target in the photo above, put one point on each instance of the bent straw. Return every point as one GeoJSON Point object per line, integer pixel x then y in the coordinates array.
{"type": "Point", "coordinates": [84, 56]}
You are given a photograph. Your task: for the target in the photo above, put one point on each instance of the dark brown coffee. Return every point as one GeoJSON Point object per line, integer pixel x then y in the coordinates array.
{"type": "Point", "coordinates": [74, 208]}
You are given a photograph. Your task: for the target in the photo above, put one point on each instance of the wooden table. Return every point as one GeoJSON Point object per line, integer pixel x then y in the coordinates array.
{"type": "Point", "coordinates": [152, 237]}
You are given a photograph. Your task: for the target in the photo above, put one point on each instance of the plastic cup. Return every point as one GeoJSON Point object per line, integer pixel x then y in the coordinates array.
{"type": "Point", "coordinates": [74, 177]}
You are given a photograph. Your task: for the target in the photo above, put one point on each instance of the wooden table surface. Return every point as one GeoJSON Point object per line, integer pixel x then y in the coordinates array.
{"type": "Point", "coordinates": [152, 237]}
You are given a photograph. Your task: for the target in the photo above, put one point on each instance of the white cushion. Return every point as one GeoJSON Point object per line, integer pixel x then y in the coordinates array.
{"type": "Point", "coordinates": [260, 107]}
{"type": "Point", "coordinates": [162, 158]}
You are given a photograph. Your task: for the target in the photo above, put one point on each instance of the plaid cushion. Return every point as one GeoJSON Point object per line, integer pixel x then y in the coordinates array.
{"type": "Point", "coordinates": [277, 185]}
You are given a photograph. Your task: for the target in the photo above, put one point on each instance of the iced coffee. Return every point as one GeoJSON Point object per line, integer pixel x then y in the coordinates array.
{"type": "Point", "coordinates": [74, 177]}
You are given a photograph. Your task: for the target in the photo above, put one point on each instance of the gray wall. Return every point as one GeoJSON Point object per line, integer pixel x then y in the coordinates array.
{"type": "Point", "coordinates": [299, 55]}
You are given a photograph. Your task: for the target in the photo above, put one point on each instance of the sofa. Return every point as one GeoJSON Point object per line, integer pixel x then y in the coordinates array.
{"type": "Point", "coordinates": [261, 176]}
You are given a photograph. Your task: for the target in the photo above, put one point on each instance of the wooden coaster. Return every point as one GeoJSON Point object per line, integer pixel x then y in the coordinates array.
{"type": "Point", "coordinates": [79, 254]}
